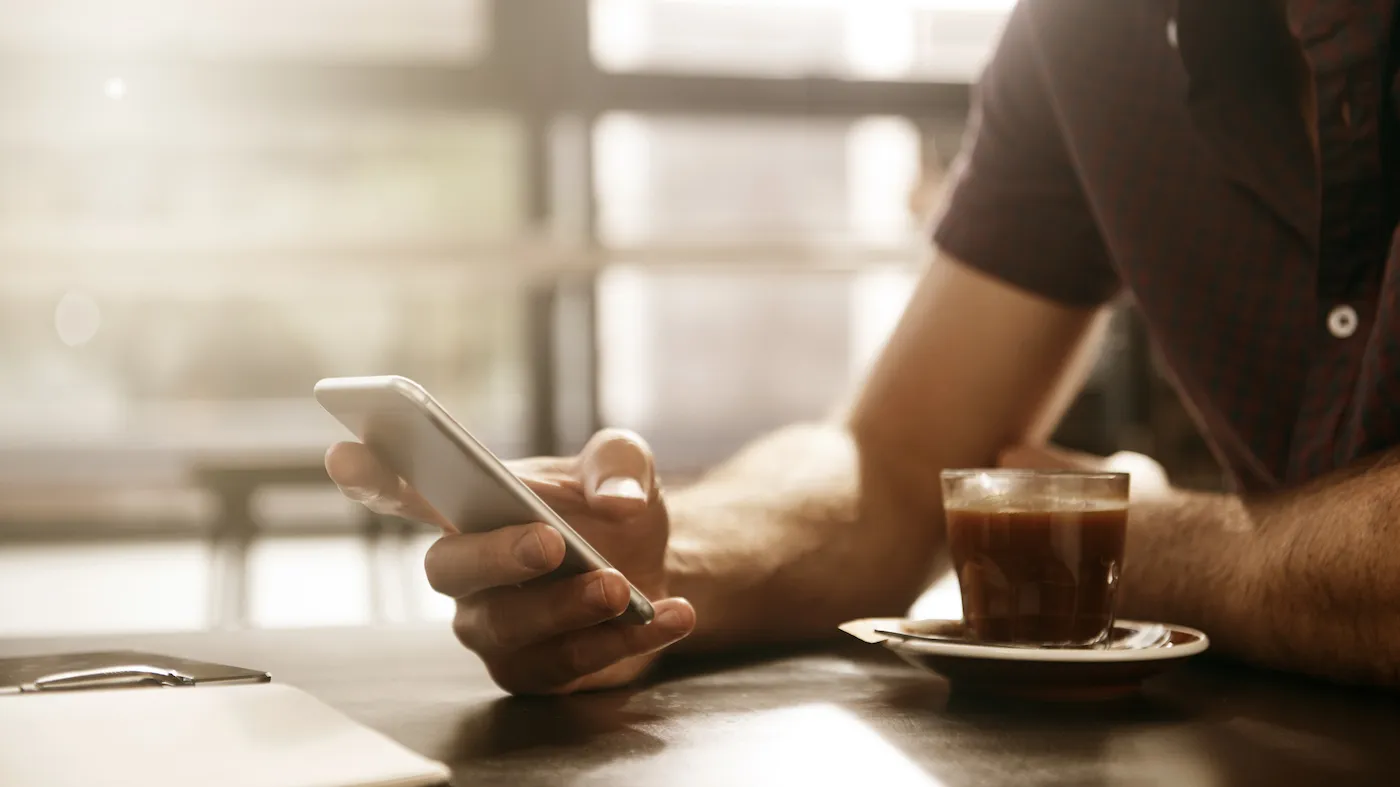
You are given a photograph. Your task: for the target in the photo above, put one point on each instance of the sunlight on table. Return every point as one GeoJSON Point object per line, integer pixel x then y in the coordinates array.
{"type": "Point", "coordinates": [806, 744]}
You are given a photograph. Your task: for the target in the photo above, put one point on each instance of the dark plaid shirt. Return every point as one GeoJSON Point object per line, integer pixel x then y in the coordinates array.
{"type": "Point", "coordinates": [1173, 149]}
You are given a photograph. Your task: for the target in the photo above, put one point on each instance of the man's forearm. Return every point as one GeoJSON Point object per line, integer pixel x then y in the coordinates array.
{"type": "Point", "coordinates": [1306, 580]}
{"type": "Point", "coordinates": [794, 535]}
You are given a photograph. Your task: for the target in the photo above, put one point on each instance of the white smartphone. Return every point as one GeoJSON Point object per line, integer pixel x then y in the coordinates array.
{"type": "Point", "coordinates": [415, 437]}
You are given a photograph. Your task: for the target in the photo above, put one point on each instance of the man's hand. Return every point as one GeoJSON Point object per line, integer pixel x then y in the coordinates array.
{"type": "Point", "coordinates": [537, 634]}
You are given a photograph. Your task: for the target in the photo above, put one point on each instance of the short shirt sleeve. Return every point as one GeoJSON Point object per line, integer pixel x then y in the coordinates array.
{"type": "Point", "coordinates": [1016, 209]}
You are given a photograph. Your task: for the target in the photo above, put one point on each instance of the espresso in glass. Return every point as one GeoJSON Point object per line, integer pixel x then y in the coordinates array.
{"type": "Point", "coordinates": [1037, 554]}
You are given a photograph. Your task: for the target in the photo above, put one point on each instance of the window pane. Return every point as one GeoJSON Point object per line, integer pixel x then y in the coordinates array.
{"type": "Point", "coordinates": [174, 266]}
{"type": "Point", "coordinates": [309, 581]}
{"type": "Point", "coordinates": [701, 361]}
{"type": "Point", "coordinates": [117, 180]}
{"type": "Point", "coordinates": [941, 40]}
{"type": "Point", "coordinates": [685, 180]}
{"type": "Point", "coordinates": [226, 354]}
{"type": "Point", "coordinates": [398, 30]}
{"type": "Point", "coordinates": [66, 588]}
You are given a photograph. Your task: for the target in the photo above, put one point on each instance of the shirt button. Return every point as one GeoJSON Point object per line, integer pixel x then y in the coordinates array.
{"type": "Point", "coordinates": [1341, 321]}
{"type": "Point", "coordinates": [1171, 33]}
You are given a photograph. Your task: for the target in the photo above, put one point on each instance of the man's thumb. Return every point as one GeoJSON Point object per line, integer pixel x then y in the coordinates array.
{"type": "Point", "coordinates": [617, 468]}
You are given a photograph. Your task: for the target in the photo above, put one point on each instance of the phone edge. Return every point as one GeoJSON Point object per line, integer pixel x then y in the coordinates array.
{"type": "Point", "coordinates": [639, 607]}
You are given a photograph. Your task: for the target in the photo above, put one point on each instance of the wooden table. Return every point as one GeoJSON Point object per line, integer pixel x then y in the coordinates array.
{"type": "Point", "coordinates": [849, 714]}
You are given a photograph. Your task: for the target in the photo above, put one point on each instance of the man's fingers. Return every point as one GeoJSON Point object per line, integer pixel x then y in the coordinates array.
{"type": "Point", "coordinates": [363, 479]}
{"type": "Point", "coordinates": [617, 471]}
{"type": "Point", "coordinates": [553, 665]}
{"type": "Point", "coordinates": [507, 619]}
{"type": "Point", "coordinates": [460, 565]}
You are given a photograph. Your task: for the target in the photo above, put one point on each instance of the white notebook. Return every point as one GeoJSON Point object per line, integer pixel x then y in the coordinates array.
{"type": "Point", "coordinates": [250, 735]}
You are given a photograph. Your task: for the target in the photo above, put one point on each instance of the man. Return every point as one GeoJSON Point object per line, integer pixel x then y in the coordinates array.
{"type": "Point", "coordinates": [1228, 165]}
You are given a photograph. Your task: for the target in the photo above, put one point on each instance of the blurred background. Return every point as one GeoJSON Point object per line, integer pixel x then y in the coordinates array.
{"type": "Point", "coordinates": [695, 218]}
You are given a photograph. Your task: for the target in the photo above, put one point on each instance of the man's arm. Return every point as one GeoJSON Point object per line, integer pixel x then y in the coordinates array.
{"type": "Point", "coordinates": [1305, 580]}
{"type": "Point", "coordinates": [821, 523]}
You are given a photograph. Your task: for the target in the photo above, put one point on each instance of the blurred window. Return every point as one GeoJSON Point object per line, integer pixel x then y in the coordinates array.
{"type": "Point", "coordinates": [164, 584]}
{"type": "Point", "coordinates": [766, 261]}
{"type": "Point", "coordinates": [333, 30]}
{"type": "Point", "coordinates": [937, 40]}
{"type": "Point", "coordinates": [284, 594]}
{"type": "Point", "coordinates": [177, 349]}
{"type": "Point", "coordinates": [175, 265]}
{"type": "Point", "coordinates": [679, 180]}
{"type": "Point", "coordinates": [118, 177]}
{"type": "Point", "coordinates": [702, 361]}
{"type": "Point", "coordinates": [66, 587]}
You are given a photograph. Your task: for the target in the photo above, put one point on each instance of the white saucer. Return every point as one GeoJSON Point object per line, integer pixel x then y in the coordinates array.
{"type": "Point", "coordinates": [1039, 673]}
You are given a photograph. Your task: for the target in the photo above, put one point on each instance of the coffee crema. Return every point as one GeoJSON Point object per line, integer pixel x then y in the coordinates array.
{"type": "Point", "coordinates": [1046, 575]}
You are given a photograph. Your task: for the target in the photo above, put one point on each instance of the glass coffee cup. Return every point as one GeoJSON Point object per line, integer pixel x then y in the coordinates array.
{"type": "Point", "coordinates": [1037, 553]}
